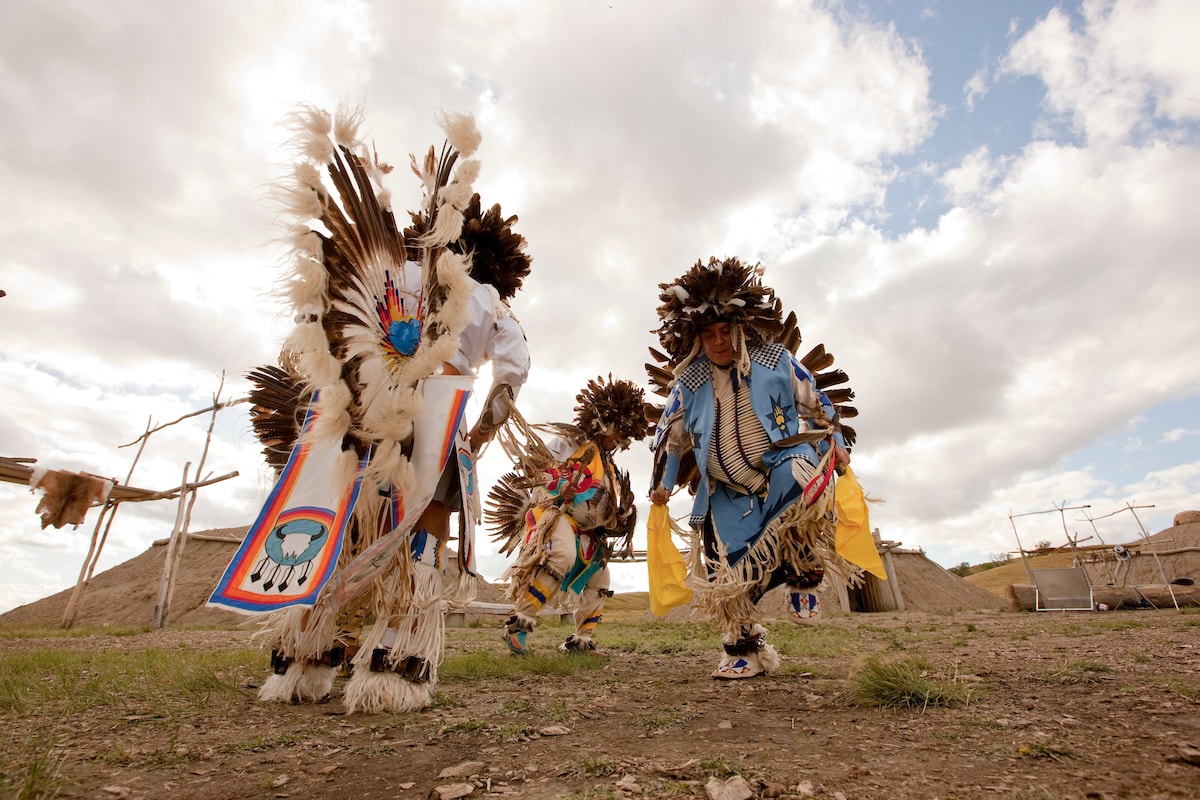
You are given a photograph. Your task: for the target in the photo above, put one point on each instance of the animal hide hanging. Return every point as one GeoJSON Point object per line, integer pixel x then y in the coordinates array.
{"type": "Point", "coordinates": [67, 496]}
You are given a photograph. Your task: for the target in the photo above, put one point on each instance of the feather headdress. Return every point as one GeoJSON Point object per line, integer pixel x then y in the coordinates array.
{"type": "Point", "coordinates": [497, 252]}
{"type": "Point", "coordinates": [719, 291]}
{"type": "Point", "coordinates": [616, 407]}
{"type": "Point", "coordinates": [603, 407]}
{"type": "Point", "coordinates": [276, 412]}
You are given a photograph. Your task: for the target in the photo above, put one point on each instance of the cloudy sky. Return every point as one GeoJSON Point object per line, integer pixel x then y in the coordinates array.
{"type": "Point", "coordinates": [980, 208]}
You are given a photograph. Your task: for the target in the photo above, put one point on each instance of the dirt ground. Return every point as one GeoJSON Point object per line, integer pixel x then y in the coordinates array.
{"type": "Point", "coordinates": [1062, 705]}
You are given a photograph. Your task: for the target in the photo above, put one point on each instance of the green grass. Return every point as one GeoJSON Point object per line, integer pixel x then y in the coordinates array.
{"type": "Point", "coordinates": [498, 663]}
{"type": "Point", "coordinates": [146, 681]}
{"type": "Point", "coordinates": [463, 727]}
{"type": "Point", "coordinates": [656, 638]}
{"type": "Point", "coordinates": [1073, 671]}
{"type": "Point", "coordinates": [1182, 689]}
{"type": "Point", "coordinates": [597, 767]}
{"type": "Point", "coordinates": [259, 744]}
{"type": "Point", "coordinates": [1040, 750]}
{"type": "Point", "coordinates": [1107, 625]}
{"type": "Point", "coordinates": [71, 633]}
{"type": "Point", "coordinates": [662, 718]}
{"type": "Point", "coordinates": [907, 683]}
{"type": "Point", "coordinates": [37, 776]}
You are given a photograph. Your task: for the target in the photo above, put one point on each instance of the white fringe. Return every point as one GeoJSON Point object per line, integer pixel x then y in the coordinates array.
{"type": "Point", "coordinates": [302, 683]}
{"type": "Point", "coordinates": [376, 692]}
{"type": "Point", "coordinates": [346, 124]}
{"type": "Point", "coordinates": [301, 197]}
{"type": "Point", "coordinates": [333, 415]}
{"type": "Point", "coordinates": [311, 127]}
{"type": "Point", "coordinates": [462, 591]}
{"type": "Point", "coordinates": [768, 658]}
{"type": "Point", "coordinates": [307, 340]}
{"type": "Point", "coordinates": [724, 595]}
{"type": "Point", "coordinates": [458, 194]}
{"type": "Point", "coordinates": [300, 633]}
{"type": "Point", "coordinates": [419, 624]}
{"type": "Point", "coordinates": [446, 227]}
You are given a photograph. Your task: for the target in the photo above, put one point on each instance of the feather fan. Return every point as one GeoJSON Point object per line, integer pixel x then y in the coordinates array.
{"type": "Point", "coordinates": [375, 313]}
{"type": "Point", "coordinates": [277, 403]}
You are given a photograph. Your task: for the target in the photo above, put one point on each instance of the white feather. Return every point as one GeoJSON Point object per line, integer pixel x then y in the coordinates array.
{"type": "Point", "coordinates": [460, 132]}
{"type": "Point", "coordinates": [346, 124]}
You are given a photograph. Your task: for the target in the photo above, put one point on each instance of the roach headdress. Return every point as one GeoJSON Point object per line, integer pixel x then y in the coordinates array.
{"type": "Point", "coordinates": [497, 252]}
{"type": "Point", "coordinates": [616, 407]}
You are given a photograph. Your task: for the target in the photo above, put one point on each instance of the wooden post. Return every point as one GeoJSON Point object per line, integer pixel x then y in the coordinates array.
{"type": "Point", "coordinates": [167, 584]}
{"type": "Point", "coordinates": [85, 573]}
{"type": "Point", "coordinates": [187, 501]}
{"type": "Point", "coordinates": [889, 566]}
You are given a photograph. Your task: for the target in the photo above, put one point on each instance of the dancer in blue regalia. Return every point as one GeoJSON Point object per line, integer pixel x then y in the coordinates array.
{"type": "Point", "coordinates": [748, 428]}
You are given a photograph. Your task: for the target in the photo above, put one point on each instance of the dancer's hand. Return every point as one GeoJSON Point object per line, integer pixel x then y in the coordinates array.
{"type": "Point", "coordinates": [841, 457]}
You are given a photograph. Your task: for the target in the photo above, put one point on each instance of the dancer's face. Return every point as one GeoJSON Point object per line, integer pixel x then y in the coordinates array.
{"type": "Point", "coordinates": [717, 343]}
{"type": "Point", "coordinates": [611, 442]}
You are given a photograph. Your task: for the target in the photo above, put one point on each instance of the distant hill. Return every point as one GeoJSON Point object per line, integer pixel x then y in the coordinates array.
{"type": "Point", "coordinates": [126, 595]}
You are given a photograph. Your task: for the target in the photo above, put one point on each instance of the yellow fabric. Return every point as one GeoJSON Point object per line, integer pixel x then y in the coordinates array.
{"type": "Point", "coordinates": [595, 463]}
{"type": "Point", "coordinates": [664, 564]}
{"type": "Point", "coordinates": [854, 540]}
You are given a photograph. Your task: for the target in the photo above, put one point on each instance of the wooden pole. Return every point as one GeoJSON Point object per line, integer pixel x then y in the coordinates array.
{"type": "Point", "coordinates": [178, 542]}
{"type": "Point", "coordinates": [1162, 573]}
{"type": "Point", "coordinates": [75, 603]}
{"type": "Point", "coordinates": [1021, 547]}
{"type": "Point", "coordinates": [76, 599]}
{"type": "Point", "coordinates": [175, 545]}
{"type": "Point", "coordinates": [168, 577]}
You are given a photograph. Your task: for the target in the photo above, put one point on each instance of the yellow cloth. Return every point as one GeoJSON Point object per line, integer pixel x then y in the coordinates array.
{"type": "Point", "coordinates": [854, 541]}
{"type": "Point", "coordinates": [664, 564]}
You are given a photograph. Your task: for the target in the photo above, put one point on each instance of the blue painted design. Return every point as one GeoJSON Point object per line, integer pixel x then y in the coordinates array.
{"type": "Point", "coordinates": [468, 468]}
{"type": "Point", "coordinates": [299, 527]}
{"type": "Point", "coordinates": [404, 335]}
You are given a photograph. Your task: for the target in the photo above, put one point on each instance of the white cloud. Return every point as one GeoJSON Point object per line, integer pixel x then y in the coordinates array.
{"type": "Point", "coordinates": [975, 88]}
{"type": "Point", "coordinates": [1130, 63]}
{"type": "Point", "coordinates": [1178, 434]}
{"type": "Point", "coordinates": [972, 177]}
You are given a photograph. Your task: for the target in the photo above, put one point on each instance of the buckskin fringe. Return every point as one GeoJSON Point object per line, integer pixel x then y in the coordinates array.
{"type": "Point", "coordinates": [722, 591]}
{"type": "Point", "coordinates": [418, 621]}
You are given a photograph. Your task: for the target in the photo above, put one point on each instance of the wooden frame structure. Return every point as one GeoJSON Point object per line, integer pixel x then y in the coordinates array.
{"type": "Point", "coordinates": [21, 470]}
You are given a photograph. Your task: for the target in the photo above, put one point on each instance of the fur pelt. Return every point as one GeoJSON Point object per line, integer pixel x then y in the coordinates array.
{"type": "Point", "coordinates": [67, 496]}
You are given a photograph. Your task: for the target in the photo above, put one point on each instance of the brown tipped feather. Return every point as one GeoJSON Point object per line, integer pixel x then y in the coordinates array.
{"type": "Point", "coordinates": [817, 360]}
{"type": "Point", "coordinates": [659, 356]}
{"type": "Point", "coordinates": [790, 337]}
{"type": "Point", "coordinates": [660, 379]}
{"type": "Point", "coordinates": [839, 396]}
{"type": "Point", "coordinates": [615, 406]}
{"type": "Point", "coordinates": [850, 436]}
{"type": "Point", "coordinates": [507, 503]}
{"type": "Point", "coordinates": [277, 400]}
{"type": "Point", "coordinates": [831, 378]}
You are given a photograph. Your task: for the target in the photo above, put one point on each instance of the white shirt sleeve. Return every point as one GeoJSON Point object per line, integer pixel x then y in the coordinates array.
{"type": "Point", "coordinates": [492, 334]}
